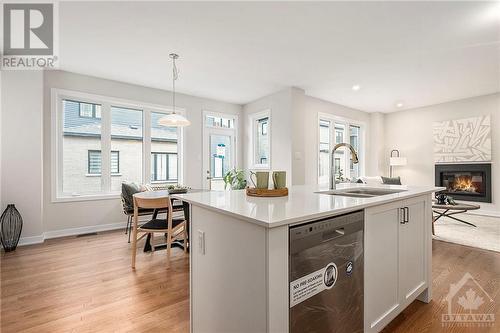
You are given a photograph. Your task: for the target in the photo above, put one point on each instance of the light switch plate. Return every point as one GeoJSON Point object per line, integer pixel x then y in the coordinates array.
{"type": "Point", "coordinates": [201, 242]}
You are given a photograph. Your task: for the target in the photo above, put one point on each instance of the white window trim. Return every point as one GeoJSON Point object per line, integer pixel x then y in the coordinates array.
{"type": "Point", "coordinates": [346, 121]}
{"type": "Point", "coordinates": [57, 95]}
{"type": "Point", "coordinates": [252, 118]}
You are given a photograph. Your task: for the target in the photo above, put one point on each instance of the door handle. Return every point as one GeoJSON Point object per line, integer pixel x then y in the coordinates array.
{"type": "Point", "coordinates": [330, 235]}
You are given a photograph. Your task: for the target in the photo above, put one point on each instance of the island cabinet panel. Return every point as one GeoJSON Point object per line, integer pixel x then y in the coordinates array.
{"type": "Point", "coordinates": [412, 251]}
{"type": "Point", "coordinates": [228, 273]}
{"type": "Point", "coordinates": [381, 265]}
{"type": "Point", "coordinates": [397, 259]}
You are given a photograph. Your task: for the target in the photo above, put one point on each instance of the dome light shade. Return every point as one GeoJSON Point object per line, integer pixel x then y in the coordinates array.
{"type": "Point", "coordinates": [174, 120]}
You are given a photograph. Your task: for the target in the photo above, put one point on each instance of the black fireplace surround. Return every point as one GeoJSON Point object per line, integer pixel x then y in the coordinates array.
{"type": "Point", "coordinates": [467, 182]}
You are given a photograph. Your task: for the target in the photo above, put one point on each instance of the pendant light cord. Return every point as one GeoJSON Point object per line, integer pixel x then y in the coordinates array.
{"type": "Point", "coordinates": [175, 76]}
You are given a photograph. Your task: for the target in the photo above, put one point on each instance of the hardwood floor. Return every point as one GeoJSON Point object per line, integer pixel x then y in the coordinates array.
{"type": "Point", "coordinates": [86, 285]}
{"type": "Point", "coordinates": [449, 264]}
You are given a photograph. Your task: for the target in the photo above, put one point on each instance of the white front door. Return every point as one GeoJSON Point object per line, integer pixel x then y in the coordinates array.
{"type": "Point", "coordinates": [219, 155]}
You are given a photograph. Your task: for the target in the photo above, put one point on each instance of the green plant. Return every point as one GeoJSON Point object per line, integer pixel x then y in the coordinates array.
{"type": "Point", "coordinates": [236, 179]}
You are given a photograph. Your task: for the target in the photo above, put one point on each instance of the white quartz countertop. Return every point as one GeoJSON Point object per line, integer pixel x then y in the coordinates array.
{"type": "Point", "coordinates": [302, 203]}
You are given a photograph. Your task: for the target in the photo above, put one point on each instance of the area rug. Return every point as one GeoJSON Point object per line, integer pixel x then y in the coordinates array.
{"type": "Point", "coordinates": [485, 236]}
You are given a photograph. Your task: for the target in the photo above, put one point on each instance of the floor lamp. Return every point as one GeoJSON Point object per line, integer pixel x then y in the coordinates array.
{"type": "Point", "coordinates": [396, 160]}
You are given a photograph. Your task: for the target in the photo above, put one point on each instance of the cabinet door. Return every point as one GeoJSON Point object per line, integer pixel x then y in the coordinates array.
{"type": "Point", "coordinates": [412, 251]}
{"type": "Point", "coordinates": [381, 265]}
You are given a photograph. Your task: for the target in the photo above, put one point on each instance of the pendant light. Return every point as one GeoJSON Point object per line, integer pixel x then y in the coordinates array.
{"type": "Point", "coordinates": [174, 119]}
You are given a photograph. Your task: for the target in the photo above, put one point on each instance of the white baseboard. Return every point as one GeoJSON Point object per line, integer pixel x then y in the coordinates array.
{"type": "Point", "coordinates": [70, 232]}
{"type": "Point", "coordinates": [84, 230]}
{"type": "Point", "coordinates": [31, 240]}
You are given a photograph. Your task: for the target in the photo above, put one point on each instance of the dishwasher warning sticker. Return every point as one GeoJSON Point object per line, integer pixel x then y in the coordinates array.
{"type": "Point", "coordinates": [312, 284]}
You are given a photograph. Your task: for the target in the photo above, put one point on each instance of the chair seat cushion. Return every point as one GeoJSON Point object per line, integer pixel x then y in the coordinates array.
{"type": "Point", "coordinates": [146, 211]}
{"type": "Point", "coordinates": [159, 224]}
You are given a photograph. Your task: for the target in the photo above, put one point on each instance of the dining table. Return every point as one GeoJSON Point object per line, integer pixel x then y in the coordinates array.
{"type": "Point", "coordinates": [184, 206]}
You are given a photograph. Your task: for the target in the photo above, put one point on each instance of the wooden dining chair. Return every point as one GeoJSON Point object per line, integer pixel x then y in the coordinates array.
{"type": "Point", "coordinates": [171, 227]}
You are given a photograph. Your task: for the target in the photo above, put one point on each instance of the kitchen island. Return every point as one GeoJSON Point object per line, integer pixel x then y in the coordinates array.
{"type": "Point", "coordinates": [241, 260]}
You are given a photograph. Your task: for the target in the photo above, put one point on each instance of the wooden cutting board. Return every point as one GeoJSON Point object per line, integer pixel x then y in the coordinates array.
{"type": "Point", "coordinates": [258, 192]}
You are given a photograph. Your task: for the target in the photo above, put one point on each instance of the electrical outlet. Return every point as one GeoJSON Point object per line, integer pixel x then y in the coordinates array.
{"type": "Point", "coordinates": [201, 242]}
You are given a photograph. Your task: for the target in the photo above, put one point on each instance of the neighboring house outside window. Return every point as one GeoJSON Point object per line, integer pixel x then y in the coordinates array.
{"type": "Point", "coordinates": [89, 110]}
{"type": "Point", "coordinates": [221, 122]}
{"type": "Point", "coordinates": [95, 162]}
{"type": "Point", "coordinates": [80, 155]}
{"type": "Point", "coordinates": [163, 167]}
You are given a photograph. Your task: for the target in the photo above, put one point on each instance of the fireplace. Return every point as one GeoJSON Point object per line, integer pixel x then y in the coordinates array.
{"type": "Point", "coordinates": [469, 182]}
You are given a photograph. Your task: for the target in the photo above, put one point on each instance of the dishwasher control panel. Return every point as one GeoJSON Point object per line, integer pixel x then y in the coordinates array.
{"type": "Point", "coordinates": [324, 226]}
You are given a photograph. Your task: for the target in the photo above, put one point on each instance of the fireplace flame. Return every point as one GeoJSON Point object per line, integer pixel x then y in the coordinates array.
{"type": "Point", "coordinates": [464, 183]}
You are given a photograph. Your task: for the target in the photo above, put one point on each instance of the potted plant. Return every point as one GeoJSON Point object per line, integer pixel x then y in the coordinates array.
{"type": "Point", "coordinates": [236, 179]}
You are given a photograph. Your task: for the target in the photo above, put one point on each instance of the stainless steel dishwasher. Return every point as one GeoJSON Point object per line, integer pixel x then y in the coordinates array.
{"type": "Point", "coordinates": [326, 275]}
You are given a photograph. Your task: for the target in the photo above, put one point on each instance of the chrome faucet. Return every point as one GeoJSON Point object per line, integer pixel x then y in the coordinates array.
{"type": "Point", "coordinates": [354, 157]}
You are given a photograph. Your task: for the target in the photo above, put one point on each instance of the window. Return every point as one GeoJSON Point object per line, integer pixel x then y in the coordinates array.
{"type": "Point", "coordinates": [163, 167]}
{"type": "Point", "coordinates": [261, 140]}
{"type": "Point", "coordinates": [101, 142]}
{"type": "Point", "coordinates": [164, 161]}
{"type": "Point", "coordinates": [80, 136]}
{"type": "Point", "coordinates": [354, 141]}
{"type": "Point", "coordinates": [127, 137]}
{"type": "Point", "coordinates": [216, 121]}
{"type": "Point", "coordinates": [339, 131]}
{"type": "Point", "coordinates": [324, 150]}
{"type": "Point", "coordinates": [94, 162]}
{"type": "Point", "coordinates": [88, 110]}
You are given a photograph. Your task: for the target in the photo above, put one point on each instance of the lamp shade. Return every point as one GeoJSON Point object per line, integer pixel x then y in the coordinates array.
{"type": "Point", "coordinates": [174, 120]}
{"type": "Point", "coordinates": [394, 161]}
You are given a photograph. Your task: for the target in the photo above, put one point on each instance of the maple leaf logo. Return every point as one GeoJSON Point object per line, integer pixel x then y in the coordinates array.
{"type": "Point", "coordinates": [471, 301]}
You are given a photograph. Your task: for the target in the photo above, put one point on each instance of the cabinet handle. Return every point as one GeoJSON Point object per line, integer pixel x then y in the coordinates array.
{"type": "Point", "coordinates": [402, 214]}
{"type": "Point", "coordinates": [407, 214]}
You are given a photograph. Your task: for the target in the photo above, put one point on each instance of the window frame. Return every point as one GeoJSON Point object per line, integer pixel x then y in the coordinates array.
{"type": "Point", "coordinates": [167, 180]}
{"type": "Point", "coordinates": [254, 124]}
{"type": "Point", "coordinates": [94, 110]}
{"type": "Point", "coordinates": [106, 102]}
{"type": "Point", "coordinates": [94, 174]}
{"type": "Point", "coordinates": [347, 123]}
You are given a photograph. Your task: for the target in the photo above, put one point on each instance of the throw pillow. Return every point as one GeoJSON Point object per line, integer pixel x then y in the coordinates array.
{"type": "Point", "coordinates": [391, 181]}
{"type": "Point", "coordinates": [128, 190]}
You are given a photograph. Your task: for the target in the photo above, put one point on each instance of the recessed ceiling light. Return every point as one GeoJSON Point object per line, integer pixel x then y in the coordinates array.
{"type": "Point", "coordinates": [356, 87]}
{"type": "Point", "coordinates": [399, 105]}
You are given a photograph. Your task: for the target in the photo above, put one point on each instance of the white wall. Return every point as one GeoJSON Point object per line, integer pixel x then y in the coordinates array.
{"type": "Point", "coordinates": [375, 159]}
{"type": "Point", "coordinates": [294, 132]}
{"type": "Point", "coordinates": [64, 215]}
{"type": "Point", "coordinates": [21, 148]}
{"type": "Point", "coordinates": [279, 105]}
{"type": "Point", "coordinates": [411, 132]}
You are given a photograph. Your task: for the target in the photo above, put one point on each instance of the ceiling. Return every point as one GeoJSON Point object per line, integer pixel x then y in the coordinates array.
{"type": "Point", "coordinates": [413, 53]}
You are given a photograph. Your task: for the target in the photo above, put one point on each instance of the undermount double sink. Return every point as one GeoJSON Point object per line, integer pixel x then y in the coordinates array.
{"type": "Point", "coordinates": [362, 192]}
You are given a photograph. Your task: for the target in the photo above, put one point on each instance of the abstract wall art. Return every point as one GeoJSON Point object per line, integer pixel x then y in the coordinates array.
{"type": "Point", "coordinates": [462, 140]}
